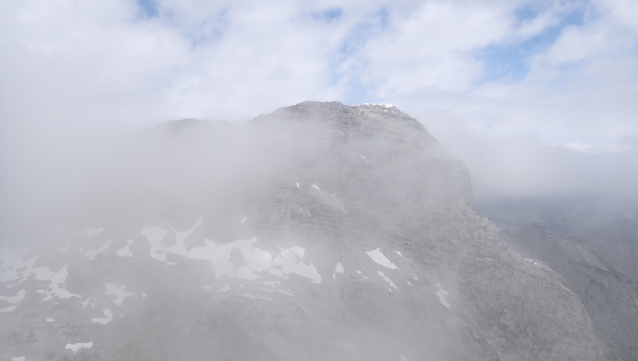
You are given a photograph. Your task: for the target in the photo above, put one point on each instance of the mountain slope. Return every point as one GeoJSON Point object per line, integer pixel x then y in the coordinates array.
{"type": "Point", "coordinates": [317, 232]}
{"type": "Point", "coordinates": [605, 284]}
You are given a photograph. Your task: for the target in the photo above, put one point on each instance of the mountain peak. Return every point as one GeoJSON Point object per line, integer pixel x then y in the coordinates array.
{"type": "Point", "coordinates": [319, 231]}
{"type": "Point", "coordinates": [332, 112]}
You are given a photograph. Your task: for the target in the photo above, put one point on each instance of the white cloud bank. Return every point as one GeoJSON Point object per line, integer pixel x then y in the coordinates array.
{"type": "Point", "coordinates": [560, 118]}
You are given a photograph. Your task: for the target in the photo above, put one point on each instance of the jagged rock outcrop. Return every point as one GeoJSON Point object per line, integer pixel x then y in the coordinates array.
{"type": "Point", "coordinates": [317, 232]}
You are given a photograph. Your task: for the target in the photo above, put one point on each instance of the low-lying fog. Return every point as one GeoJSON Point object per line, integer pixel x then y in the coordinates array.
{"type": "Point", "coordinates": [60, 171]}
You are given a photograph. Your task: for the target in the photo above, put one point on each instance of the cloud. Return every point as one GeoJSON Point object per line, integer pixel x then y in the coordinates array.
{"type": "Point", "coordinates": [430, 49]}
{"type": "Point", "coordinates": [563, 73]}
{"type": "Point", "coordinates": [525, 166]}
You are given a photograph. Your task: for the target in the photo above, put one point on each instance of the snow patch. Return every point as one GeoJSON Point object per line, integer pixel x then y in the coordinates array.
{"type": "Point", "coordinates": [286, 293]}
{"type": "Point", "coordinates": [254, 260]}
{"type": "Point", "coordinates": [388, 280]}
{"type": "Point", "coordinates": [15, 299]}
{"type": "Point", "coordinates": [243, 220]}
{"type": "Point", "coordinates": [19, 358]}
{"type": "Point", "coordinates": [124, 252]}
{"type": "Point", "coordinates": [90, 300]}
{"type": "Point", "coordinates": [290, 260]}
{"type": "Point", "coordinates": [118, 292]}
{"type": "Point", "coordinates": [256, 297]}
{"type": "Point", "coordinates": [155, 234]}
{"type": "Point", "coordinates": [181, 236]}
{"type": "Point", "coordinates": [272, 283]}
{"type": "Point", "coordinates": [92, 231]}
{"type": "Point", "coordinates": [379, 258]}
{"type": "Point", "coordinates": [532, 261]}
{"type": "Point", "coordinates": [44, 274]}
{"type": "Point", "coordinates": [8, 309]}
{"type": "Point", "coordinates": [108, 317]}
{"type": "Point", "coordinates": [75, 347]}
{"type": "Point", "coordinates": [316, 187]}
{"type": "Point", "coordinates": [49, 319]}
{"type": "Point", "coordinates": [13, 266]}
{"type": "Point", "coordinates": [380, 104]}
{"type": "Point", "coordinates": [90, 254]}
{"type": "Point", "coordinates": [441, 293]}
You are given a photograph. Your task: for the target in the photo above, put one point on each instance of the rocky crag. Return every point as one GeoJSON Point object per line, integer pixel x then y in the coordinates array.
{"type": "Point", "coordinates": [317, 232]}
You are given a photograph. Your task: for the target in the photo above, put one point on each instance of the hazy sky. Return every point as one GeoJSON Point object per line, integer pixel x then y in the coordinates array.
{"type": "Point", "coordinates": [534, 96]}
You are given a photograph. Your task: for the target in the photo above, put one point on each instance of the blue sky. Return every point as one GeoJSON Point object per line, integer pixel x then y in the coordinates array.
{"type": "Point", "coordinates": [148, 7]}
{"type": "Point", "coordinates": [509, 61]}
{"type": "Point", "coordinates": [543, 79]}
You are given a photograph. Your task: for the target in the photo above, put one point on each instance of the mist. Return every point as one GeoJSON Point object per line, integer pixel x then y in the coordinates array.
{"type": "Point", "coordinates": [179, 166]}
{"type": "Point", "coordinates": [147, 168]}
{"type": "Point", "coordinates": [524, 95]}
{"type": "Point", "coordinates": [285, 197]}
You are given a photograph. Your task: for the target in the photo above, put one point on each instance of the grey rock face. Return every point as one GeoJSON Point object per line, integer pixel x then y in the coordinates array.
{"type": "Point", "coordinates": [602, 277]}
{"type": "Point", "coordinates": [317, 232]}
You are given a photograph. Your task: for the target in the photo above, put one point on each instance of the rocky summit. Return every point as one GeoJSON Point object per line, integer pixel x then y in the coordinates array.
{"type": "Point", "coordinates": [317, 232]}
